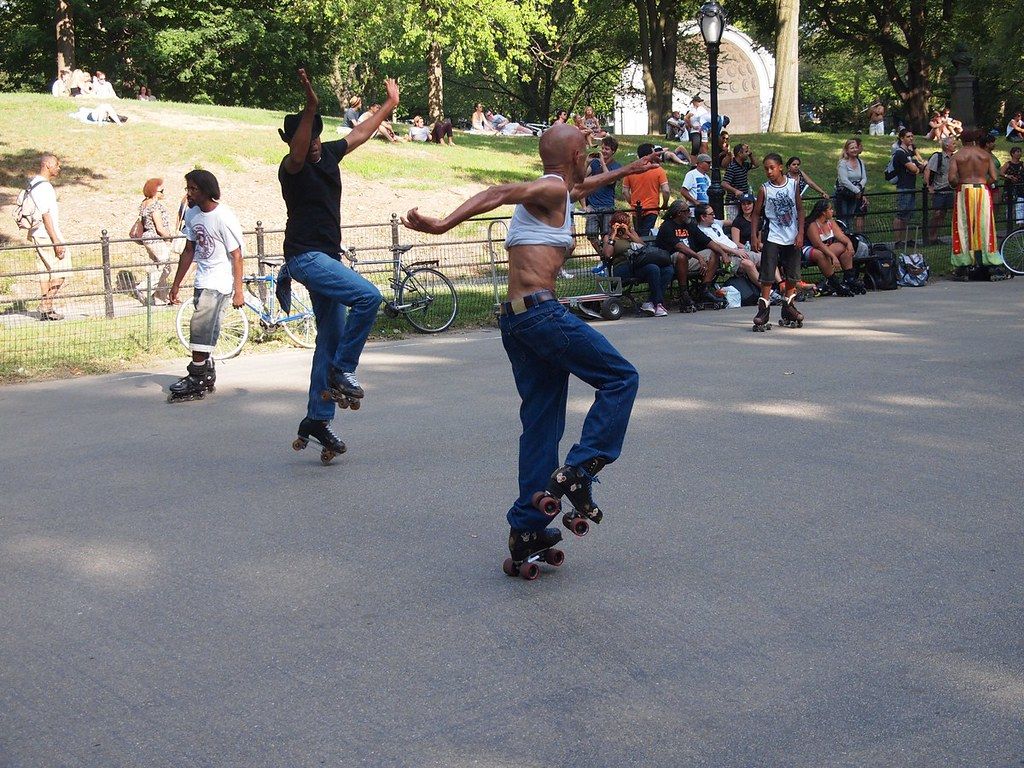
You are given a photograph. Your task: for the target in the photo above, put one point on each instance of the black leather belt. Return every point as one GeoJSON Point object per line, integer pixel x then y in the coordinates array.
{"type": "Point", "coordinates": [519, 306]}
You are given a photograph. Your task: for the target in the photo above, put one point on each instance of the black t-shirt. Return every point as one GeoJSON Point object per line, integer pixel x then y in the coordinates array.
{"type": "Point", "coordinates": [743, 225]}
{"type": "Point", "coordinates": [698, 240]}
{"type": "Point", "coordinates": [906, 179]}
{"type": "Point", "coordinates": [313, 199]}
{"type": "Point", "coordinates": [670, 234]}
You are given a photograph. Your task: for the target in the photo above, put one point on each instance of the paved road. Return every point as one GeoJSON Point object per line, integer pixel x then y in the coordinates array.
{"type": "Point", "coordinates": [812, 556]}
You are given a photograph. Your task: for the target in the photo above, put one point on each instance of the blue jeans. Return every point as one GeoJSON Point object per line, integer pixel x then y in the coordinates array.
{"type": "Point", "coordinates": [658, 279]}
{"type": "Point", "coordinates": [645, 223]}
{"type": "Point", "coordinates": [336, 291]}
{"type": "Point", "coordinates": [545, 344]}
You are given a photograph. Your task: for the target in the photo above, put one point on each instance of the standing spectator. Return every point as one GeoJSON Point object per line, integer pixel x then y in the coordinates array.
{"type": "Point", "coordinates": [851, 181]}
{"type": "Point", "coordinates": [697, 182]}
{"type": "Point", "coordinates": [53, 257]}
{"type": "Point", "coordinates": [695, 119]}
{"type": "Point", "coordinates": [1015, 128]}
{"type": "Point", "coordinates": [214, 243]}
{"type": "Point", "coordinates": [794, 169]}
{"type": "Point", "coordinates": [971, 172]}
{"type": "Point", "coordinates": [725, 154]}
{"type": "Point", "coordinates": [936, 179]}
{"type": "Point", "coordinates": [355, 104]}
{"type": "Point", "coordinates": [60, 85]}
{"type": "Point", "coordinates": [736, 181]}
{"type": "Point", "coordinates": [1013, 193]}
{"type": "Point", "coordinates": [876, 119]}
{"type": "Point", "coordinates": [418, 131]}
{"type": "Point", "coordinates": [601, 202]}
{"type": "Point", "coordinates": [642, 191]}
{"type": "Point", "coordinates": [156, 236]}
{"type": "Point", "coordinates": [907, 169]}
{"type": "Point", "coordinates": [101, 88]}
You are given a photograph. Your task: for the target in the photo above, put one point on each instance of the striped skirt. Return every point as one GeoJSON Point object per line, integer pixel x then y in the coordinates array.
{"type": "Point", "coordinates": [974, 227]}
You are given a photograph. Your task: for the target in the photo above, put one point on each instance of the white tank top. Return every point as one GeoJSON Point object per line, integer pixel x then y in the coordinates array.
{"type": "Point", "coordinates": [780, 210]}
{"type": "Point", "coordinates": [526, 229]}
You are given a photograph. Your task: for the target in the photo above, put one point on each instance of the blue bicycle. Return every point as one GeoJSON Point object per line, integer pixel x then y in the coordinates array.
{"type": "Point", "coordinates": [275, 299]}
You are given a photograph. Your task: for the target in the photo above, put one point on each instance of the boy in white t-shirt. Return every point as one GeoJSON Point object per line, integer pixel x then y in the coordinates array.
{"type": "Point", "coordinates": [214, 241]}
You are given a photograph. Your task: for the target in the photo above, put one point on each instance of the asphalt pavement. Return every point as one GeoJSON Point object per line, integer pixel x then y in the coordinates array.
{"type": "Point", "coordinates": [811, 556]}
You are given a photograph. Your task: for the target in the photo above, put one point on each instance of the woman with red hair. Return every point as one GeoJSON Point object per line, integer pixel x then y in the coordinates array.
{"type": "Point", "coordinates": [156, 237]}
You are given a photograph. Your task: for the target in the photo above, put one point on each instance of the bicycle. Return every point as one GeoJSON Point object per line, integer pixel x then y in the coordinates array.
{"type": "Point", "coordinates": [296, 320]}
{"type": "Point", "coordinates": [1012, 251]}
{"type": "Point", "coordinates": [425, 297]}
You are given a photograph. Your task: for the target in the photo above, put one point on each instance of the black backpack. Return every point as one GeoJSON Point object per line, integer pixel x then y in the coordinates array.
{"type": "Point", "coordinates": [749, 292]}
{"type": "Point", "coordinates": [881, 269]}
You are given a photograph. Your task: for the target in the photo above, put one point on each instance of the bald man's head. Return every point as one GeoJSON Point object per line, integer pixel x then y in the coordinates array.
{"type": "Point", "coordinates": [558, 143]}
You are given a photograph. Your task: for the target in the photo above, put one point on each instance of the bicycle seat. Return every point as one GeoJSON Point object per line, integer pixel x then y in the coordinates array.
{"type": "Point", "coordinates": [398, 250]}
{"type": "Point", "coordinates": [272, 261]}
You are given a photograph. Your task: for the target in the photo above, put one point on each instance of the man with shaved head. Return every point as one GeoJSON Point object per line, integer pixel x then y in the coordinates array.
{"type": "Point", "coordinates": [545, 343]}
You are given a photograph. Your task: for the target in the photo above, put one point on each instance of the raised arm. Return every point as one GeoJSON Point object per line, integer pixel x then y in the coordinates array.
{"type": "Point", "coordinates": [298, 147]}
{"type": "Point", "coordinates": [369, 126]}
{"type": "Point", "coordinates": [546, 193]}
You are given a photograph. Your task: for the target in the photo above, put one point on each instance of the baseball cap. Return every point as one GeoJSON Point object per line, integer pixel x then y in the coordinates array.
{"type": "Point", "coordinates": [658, 148]}
{"type": "Point", "coordinates": [696, 99]}
{"type": "Point", "coordinates": [675, 208]}
{"type": "Point", "coordinates": [746, 197]}
{"type": "Point", "coordinates": [702, 158]}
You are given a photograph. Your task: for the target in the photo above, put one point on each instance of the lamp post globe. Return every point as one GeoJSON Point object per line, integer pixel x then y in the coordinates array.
{"type": "Point", "coordinates": [712, 24]}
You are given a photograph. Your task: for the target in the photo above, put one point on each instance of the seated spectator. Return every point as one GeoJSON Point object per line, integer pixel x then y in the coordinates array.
{"type": "Point", "coordinates": [829, 249]}
{"type": "Point", "coordinates": [441, 132]}
{"type": "Point", "coordinates": [561, 116]}
{"type": "Point", "coordinates": [145, 94]}
{"type": "Point", "coordinates": [697, 182]}
{"type": "Point", "coordinates": [592, 124]}
{"type": "Point", "coordinates": [675, 128]}
{"type": "Point", "coordinates": [418, 131]}
{"type": "Point", "coordinates": [101, 88]}
{"type": "Point", "coordinates": [679, 234]}
{"type": "Point", "coordinates": [629, 257]}
{"type": "Point", "coordinates": [740, 259]}
{"type": "Point", "coordinates": [506, 127]}
{"type": "Point", "coordinates": [60, 85]}
{"type": "Point", "coordinates": [355, 103]}
{"type": "Point", "coordinates": [795, 171]}
{"type": "Point", "coordinates": [953, 126]}
{"type": "Point", "coordinates": [80, 83]}
{"type": "Point", "coordinates": [1015, 128]}
{"type": "Point", "coordinates": [480, 123]}
{"type": "Point", "coordinates": [384, 130]}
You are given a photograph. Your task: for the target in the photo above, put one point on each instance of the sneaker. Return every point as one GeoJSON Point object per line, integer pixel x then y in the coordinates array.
{"type": "Point", "coordinates": [647, 308]}
{"type": "Point", "coordinates": [600, 270]}
{"type": "Point", "coordinates": [660, 311]}
{"type": "Point", "coordinates": [565, 273]}
{"type": "Point", "coordinates": [51, 315]}
{"type": "Point", "coordinates": [775, 298]}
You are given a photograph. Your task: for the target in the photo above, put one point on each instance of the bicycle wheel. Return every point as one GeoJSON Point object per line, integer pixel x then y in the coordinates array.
{"type": "Point", "coordinates": [1012, 252]}
{"type": "Point", "coordinates": [234, 330]}
{"type": "Point", "coordinates": [300, 326]}
{"type": "Point", "coordinates": [428, 300]}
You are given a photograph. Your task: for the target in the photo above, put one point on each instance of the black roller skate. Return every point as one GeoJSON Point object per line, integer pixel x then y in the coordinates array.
{"type": "Point", "coordinates": [574, 482]}
{"type": "Point", "coordinates": [321, 432]}
{"type": "Point", "coordinates": [527, 548]}
{"type": "Point", "coordinates": [709, 298]}
{"type": "Point", "coordinates": [837, 287]}
{"type": "Point", "coordinates": [854, 283]}
{"type": "Point", "coordinates": [201, 379]}
{"type": "Point", "coordinates": [686, 305]}
{"type": "Point", "coordinates": [791, 316]}
{"type": "Point", "coordinates": [343, 389]}
{"type": "Point", "coordinates": [764, 312]}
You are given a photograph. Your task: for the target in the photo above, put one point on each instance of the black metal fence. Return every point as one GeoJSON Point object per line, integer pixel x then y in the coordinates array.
{"type": "Point", "coordinates": [106, 326]}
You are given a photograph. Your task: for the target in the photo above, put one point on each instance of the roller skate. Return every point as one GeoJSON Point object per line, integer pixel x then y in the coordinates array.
{"type": "Point", "coordinates": [764, 312]}
{"type": "Point", "coordinates": [527, 548]}
{"type": "Point", "coordinates": [321, 432]}
{"type": "Point", "coordinates": [686, 305]}
{"type": "Point", "coordinates": [200, 380]}
{"type": "Point", "coordinates": [791, 316]}
{"type": "Point", "coordinates": [710, 298]}
{"type": "Point", "coordinates": [343, 389]}
{"type": "Point", "coordinates": [854, 283]}
{"type": "Point", "coordinates": [837, 287]}
{"type": "Point", "coordinates": [574, 482]}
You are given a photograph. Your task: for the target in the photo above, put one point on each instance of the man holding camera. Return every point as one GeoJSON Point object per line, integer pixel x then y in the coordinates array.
{"type": "Point", "coordinates": [600, 204]}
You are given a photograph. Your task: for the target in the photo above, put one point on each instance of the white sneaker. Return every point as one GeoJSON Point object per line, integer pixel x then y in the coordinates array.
{"type": "Point", "coordinates": [647, 308]}
{"type": "Point", "coordinates": [565, 273]}
{"type": "Point", "coordinates": [599, 270]}
{"type": "Point", "coordinates": [660, 311]}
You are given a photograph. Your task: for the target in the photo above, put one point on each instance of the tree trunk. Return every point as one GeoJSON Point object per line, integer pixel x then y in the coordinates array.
{"type": "Point", "coordinates": [659, 39]}
{"type": "Point", "coordinates": [64, 22]}
{"type": "Point", "coordinates": [435, 82]}
{"type": "Point", "coordinates": [786, 101]}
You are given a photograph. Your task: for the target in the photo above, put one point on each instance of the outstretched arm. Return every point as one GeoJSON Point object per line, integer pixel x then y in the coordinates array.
{"type": "Point", "coordinates": [542, 194]}
{"type": "Point", "coordinates": [369, 126]}
{"type": "Point", "coordinates": [298, 147]}
{"type": "Point", "coordinates": [592, 183]}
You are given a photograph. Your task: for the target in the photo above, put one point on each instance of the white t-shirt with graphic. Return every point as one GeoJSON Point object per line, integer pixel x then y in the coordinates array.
{"type": "Point", "coordinates": [215, 235]}
{"type": "Point", "coordinates": [698, 184]}
{"type": "Point", "coordinates": [780, 210]}
{"type": "Point", "coordinates": [45, 198]}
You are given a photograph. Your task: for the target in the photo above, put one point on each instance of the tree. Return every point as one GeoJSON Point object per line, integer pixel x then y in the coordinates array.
{"type": "Point", "coordinates": [786, 99]}
{"type": "Point", "coordinates": [65, 27]}
{"type": "Point", "coordinates": [659, 41]}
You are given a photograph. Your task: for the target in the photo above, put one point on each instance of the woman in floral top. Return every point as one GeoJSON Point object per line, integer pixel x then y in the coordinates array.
{"type": "Point", "coordinates": [156, 234]}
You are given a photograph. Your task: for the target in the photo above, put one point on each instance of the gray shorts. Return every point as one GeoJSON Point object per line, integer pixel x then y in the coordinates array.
{"type": "Point", "coordinates": [942, 199]}
{"type": "Point", "coordinates": [905, 204]}
{"type": "Point", "coordinates": [204, 329]}
{"type": "Point", "coordinates": [597, 224]}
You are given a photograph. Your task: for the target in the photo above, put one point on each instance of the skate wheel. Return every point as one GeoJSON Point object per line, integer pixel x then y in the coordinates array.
{"type": "Point", "coordinates": [554, 557]}
{"type": "Point", "coordinates": [325, 395]}
{"type": "Point", "coordinates": [546, 503]}
{"type": "Point", "coordinates": [326, 457]}
{"type": "Point", "coordinates": [354, 404]}
{"type": "Point", "coordinates": [210, 389]}
{"type": "Point", "coordinates": [529, 571]}
{"type": "Point", "coordinates": [170, 398]}
{"type": "Point", "coordinates": [509, 567]}
{"type": "Point", "coordinates": [299, 443]}
{"type": "Point", "coordinates": [578, 526]}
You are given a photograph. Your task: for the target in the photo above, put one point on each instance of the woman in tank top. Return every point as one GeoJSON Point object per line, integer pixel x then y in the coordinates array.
{"type": "Point", "coordinates": [829, 249]}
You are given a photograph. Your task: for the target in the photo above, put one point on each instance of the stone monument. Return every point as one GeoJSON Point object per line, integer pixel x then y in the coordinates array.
{"type": "Point", "coordinates": [965, 88]}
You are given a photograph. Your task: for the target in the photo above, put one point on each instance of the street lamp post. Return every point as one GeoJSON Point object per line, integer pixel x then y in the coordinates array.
{"type": "Point", "coordinates": [712, 24]}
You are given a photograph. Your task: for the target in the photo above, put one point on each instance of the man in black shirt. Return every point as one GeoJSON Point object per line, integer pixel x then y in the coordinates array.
{"type": "Point", "coordinates": [311, 187]}
{"type": "Point", "coordinates": [907, 169]}
{"type": "Point", "coordinates": [679, 235]}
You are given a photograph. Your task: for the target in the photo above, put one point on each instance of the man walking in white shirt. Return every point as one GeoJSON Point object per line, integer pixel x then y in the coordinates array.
{"type": "Point", "coordinates": [53, 257]}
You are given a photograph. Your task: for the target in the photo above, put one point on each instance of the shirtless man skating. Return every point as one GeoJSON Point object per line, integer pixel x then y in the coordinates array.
{"type": "Point", "coordinates": [545, 343]}
{"type": "Point", "coordinates": [971, 171]}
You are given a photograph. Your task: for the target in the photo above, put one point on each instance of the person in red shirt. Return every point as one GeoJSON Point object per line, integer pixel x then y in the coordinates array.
{"type": "Point", "coordinates": [646, 193]}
